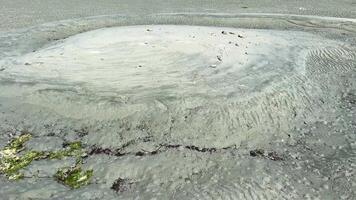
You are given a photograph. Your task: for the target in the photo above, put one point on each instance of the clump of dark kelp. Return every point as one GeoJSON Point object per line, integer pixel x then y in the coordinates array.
{"type": "Point", "coordinates": [14, 157]}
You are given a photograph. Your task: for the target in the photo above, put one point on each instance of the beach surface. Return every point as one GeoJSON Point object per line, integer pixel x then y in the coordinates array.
{"type": "Point", "coordinates": [174, 100]}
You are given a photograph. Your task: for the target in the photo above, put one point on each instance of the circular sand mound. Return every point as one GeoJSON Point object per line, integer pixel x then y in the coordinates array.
{"type": "Point", "coordinates": [172, 61]}
{"type": "Point", "coordinates": [206, 86]}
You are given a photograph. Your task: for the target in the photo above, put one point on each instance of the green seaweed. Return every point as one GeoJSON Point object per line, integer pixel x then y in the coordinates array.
{"type": "Point", "coordinates": [18, 142]}
{"type": "Point", "coordinates": [12, 161]}
{"type": "Point", "coordinates": [74, 149]}
{"type": "Point", "coordinates": [10, 165]}
{"type": "Point", "coordinates": [73, 177]}
{"type": "Point", "coordinates": [75, 145]}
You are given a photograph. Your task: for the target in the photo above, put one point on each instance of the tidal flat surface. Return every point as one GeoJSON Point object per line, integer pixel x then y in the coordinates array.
{"type": "Point", "coordinates": [181, 106]}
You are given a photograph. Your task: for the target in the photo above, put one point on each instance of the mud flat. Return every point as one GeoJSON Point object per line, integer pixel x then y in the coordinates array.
{"type": "Point", "coordinates": [181, 111]}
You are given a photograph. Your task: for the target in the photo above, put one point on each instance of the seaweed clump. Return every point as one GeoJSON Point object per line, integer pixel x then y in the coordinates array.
{"type": "Point", "coordinates": [13, 156]}
{"type": "Point", "coordinates": [74, 177]}
{"type": "Point", "coordinates": [72, 149]}
{"type": "Point", "coordinates": [11, 162]}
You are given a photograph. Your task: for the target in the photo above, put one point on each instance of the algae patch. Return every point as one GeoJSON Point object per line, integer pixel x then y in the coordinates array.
{"type": "Point", "coordinates": [11, 162]}
{"type": "Point", "coordinates": [73, 149]}
{"type": "Point", "coordinates": [74, 177]}
{"type": "Point", "coordinates": [13, 158]}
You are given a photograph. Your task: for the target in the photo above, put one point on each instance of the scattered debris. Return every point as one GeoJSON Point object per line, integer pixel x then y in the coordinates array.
{"type": "Point", "coordinates": [118, 152]}
{"type": "Point", "coordinates": [195, 148]}
{"type": "Point", "coordinates": [261, 153]}
{"type": "Point", "coordinates": [98, 150]}
{"type": "Point", "coordinates": [121, 185]}
{"type": "Point", "coordinates": [73, 177]}
{"type": "Point", "coordinates": [84, 131]}
{"type": "Point", "coordinates": [144, 153]}
{"type": "Point", "coordinates": [274, 156]}
{"type": "Point", "coordinates": [257, 152]}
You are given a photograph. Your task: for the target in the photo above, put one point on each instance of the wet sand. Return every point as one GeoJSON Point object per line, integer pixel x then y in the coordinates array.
{"type": "Point", "coordinates": [254, 106]}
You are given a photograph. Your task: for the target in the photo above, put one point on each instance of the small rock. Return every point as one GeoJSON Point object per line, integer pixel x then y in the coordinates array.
{"type": "Point", "coordinates": [240, 36]}
{"type": "Point", "coordinates": [224, 32]}
{"type": "Point", "coordinates": [213, 66]}
{"type": "Point", "coordinates": [219, 58]}
{"type": "Point", "coordinates": [27, 63]}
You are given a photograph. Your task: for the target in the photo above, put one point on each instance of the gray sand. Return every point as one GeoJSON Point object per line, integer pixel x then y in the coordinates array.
{"type": "Point", "coordinates": [175, 104]}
